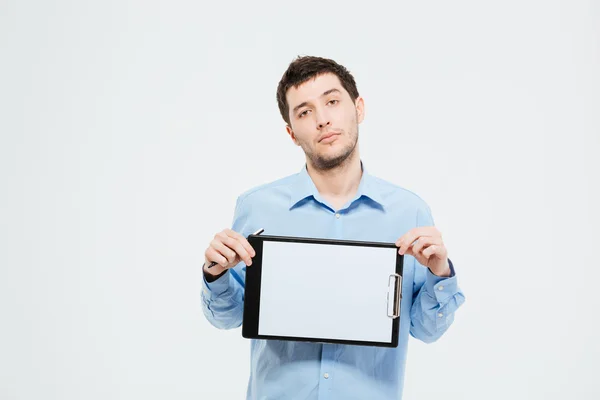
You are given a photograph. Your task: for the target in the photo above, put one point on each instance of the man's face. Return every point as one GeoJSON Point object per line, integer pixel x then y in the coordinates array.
{"type": "Point", "coordinates": [321, 107]}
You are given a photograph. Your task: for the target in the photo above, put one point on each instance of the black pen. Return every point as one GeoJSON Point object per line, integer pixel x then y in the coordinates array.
{"type": "Point", "coordinates": [212, 264]}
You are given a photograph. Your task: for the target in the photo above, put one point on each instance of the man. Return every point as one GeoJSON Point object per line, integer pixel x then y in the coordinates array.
{"type": "Point", "coordinates": [333, 196]}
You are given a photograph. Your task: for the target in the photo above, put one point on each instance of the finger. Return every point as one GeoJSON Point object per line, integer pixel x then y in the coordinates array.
{"type": "Point", "coordinates": [414, 233]}
{"type": "Point", "coordinates": [236, 246]}
{"type": "Point", "coordinates": [240, 250]}
{"type": "Point", "coordinates": [435, 250]}
{"type": "Point", "coordinates": [408, 239]}
{"type": "Point", "coordinates": [418, 256]}
{"type": "Point", "coordinates": [407, 252]}
{"type": "Point", "coordinates": [425, 241]}
{"type": "Point", "coordinates": [225, 250]}
{"type": "Point", "coordinates": [242, 240]}
{"type": "Point", "coordinates": [213, 255]}
{"type": "Point", "coordinates": [405, 240]}
{"type": "Point", "coordinates": [429, 251]}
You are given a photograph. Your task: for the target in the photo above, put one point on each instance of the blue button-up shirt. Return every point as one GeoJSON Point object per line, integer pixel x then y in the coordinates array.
{"type": "Point", "coordinates": [380, 211]}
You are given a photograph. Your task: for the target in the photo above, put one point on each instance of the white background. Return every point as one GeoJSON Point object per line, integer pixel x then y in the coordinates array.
{"type": "Point", "coordinates": [128, 128]}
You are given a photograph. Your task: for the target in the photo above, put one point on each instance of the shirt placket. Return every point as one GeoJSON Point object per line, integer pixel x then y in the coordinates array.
{"type": "Point", "coordinates": [327, 373]}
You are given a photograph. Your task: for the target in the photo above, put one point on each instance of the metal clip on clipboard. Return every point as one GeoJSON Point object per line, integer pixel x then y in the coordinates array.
{"type": "Point", "coordinates": [396, 292]}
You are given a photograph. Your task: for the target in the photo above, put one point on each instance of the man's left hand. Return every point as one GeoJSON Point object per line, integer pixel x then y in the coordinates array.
{"type": "Point", "coordinates": [426, 246]}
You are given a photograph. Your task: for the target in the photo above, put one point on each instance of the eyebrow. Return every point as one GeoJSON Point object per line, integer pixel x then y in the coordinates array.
{"type": "Point", "coordinates": [325, 93]}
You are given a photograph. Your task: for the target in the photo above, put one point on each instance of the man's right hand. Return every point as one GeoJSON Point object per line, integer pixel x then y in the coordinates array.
{"type": "Point", "coordinates": [228, 248]}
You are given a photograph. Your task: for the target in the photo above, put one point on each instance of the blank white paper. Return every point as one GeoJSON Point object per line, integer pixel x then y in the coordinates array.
{"type": "Point", "coordinates": [326, 291]}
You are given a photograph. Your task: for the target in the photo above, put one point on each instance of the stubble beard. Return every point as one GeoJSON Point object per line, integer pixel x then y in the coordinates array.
{"type": "Point", "coordinates": [326, 163]}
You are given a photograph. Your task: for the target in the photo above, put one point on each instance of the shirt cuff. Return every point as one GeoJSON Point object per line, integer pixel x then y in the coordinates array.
{"type": "Point", "coordinates": [217, 287]}
{"type": "Point", "coordinates": [442, 288]}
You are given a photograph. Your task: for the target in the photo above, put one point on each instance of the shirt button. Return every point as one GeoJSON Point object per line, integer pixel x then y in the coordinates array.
{"type": "Point", "coordinates": [326, 375]}
{"type": "Point", "coordinates": [440, 287]}
{"type": "Point", "coordinates": [440, 315]}
{"type": "Point", "coordinates": [337, 215]}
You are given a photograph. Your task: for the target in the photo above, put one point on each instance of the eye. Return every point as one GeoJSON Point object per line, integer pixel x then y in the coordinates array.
{"type": "Point", "coordinates": [303, 113]}
{"type": "Point", "coordinates": [333, 101]}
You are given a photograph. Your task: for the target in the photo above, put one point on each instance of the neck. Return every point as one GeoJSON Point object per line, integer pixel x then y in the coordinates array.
{"type": "Point", "coordinates": [339, 182]}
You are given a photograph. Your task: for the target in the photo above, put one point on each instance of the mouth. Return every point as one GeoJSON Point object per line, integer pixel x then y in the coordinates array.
{"type": "Point", "coordinates": [328, 137]}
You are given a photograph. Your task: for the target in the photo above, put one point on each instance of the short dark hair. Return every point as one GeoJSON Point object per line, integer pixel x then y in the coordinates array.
{"type": "Point", "coordinates": [304, 68]}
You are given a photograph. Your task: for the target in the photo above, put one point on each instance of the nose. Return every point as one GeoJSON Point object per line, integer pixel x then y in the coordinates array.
{"type": "Point", "coordinates": [323, 124]}
{"type": "Point", "coordinates": [323, 120]}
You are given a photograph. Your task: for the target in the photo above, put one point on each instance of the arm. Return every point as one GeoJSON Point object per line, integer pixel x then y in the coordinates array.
{"type": "Point", "coordinates": [435, 298]}
{"type": "Point", "coordinates": [223, 295]}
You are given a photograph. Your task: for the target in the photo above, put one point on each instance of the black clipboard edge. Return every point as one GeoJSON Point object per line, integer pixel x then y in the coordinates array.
{"type": "Point", "coordinates": [252, 299]}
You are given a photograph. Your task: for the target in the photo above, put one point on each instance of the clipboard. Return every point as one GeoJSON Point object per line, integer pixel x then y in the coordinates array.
{"type": "Point", "coordinates": [323, 290]}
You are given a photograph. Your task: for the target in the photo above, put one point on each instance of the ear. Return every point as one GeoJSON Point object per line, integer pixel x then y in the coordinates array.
{"type": "Point", "coordinates": [360, 109]}
{"type": "Point", "coordinates": [292, 135]}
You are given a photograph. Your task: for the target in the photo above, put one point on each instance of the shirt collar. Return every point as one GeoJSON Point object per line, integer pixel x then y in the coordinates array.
{"type": "Point", "coordinates": [303, 187]}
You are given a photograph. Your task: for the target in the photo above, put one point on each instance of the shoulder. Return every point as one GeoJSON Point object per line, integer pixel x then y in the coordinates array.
{"type": "Point", "coordinates": [395, 195]}
{"type": "Point", "coordinates": [268, 191]}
